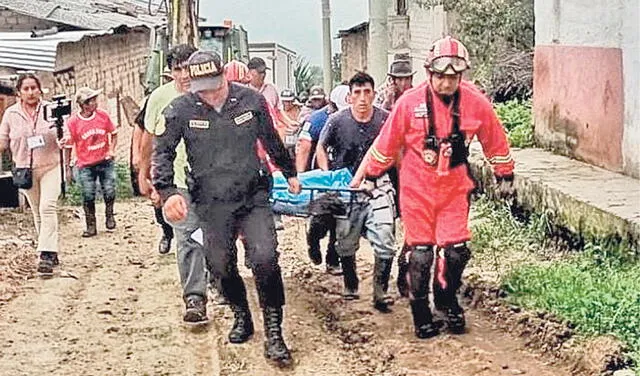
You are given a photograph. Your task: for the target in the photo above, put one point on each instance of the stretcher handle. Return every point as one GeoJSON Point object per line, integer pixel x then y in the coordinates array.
{"type": "Point", "coordinates": [325, 189]}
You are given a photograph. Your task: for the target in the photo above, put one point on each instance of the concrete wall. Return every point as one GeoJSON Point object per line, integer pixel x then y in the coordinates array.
{"type": "Point", "coordinates": [631, 67]}
{"type": "Point", "coordinates": [12, 21]}
{"type": "Point", "coordinates": [354, 53]}
{"type": "Point", "coordinates": [586, 81]}
{"type": "Point", "coordinates": [426, 25]}
{"type": "Point", "coordinates": [114, 63]}
{"type": "Point", "coordinates": [282, 63]}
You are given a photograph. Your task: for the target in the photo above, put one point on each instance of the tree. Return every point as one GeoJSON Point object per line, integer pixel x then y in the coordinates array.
{"type": "Point", "coordinates": [500, 37]}
{"type": "Point", "coordinates": [306, 75]}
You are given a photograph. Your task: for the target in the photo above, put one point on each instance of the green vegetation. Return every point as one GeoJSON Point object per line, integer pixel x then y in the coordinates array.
{"type": "Point", "coordinates": [597, 297]}
{"type": "Point", "coordinates": [123, 187]}
{"type": "Point", "coordinates": [500, 37]}
{"type": "Point", "coordinates": [517, 118]}
{"type": "Point", "coordinates": [596, 289]}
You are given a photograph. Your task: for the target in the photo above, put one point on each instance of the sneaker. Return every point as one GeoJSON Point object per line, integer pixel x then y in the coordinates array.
{"type": "Point", "coordinates": [196, 311]}
{"type": "Point", "coordinates": [334, 269]}
{"type": "Point", "coordinates": [46, 263]}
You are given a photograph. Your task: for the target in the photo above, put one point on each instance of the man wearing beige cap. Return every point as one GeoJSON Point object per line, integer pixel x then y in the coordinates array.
{"type": "Point", "coordinates": [93, 136]}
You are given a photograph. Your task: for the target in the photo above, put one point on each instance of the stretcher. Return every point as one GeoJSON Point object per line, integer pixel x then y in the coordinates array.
{"type": "Point", "coordinates": [314, 183]}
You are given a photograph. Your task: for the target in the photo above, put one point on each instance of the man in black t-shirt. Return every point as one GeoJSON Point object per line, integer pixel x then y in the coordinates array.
{"type": "Point", "coordinates": [343, 143]}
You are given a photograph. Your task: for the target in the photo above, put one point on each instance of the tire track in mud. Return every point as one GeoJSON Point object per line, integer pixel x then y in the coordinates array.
{"type": "Point", "coordinates": [114, 308]}
{"type": "Point", "coordinates": [351, 338]}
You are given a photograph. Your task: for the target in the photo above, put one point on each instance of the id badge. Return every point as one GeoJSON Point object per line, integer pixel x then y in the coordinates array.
{"type": "Point", "coordinates": [290, 139]}
{"type": "Point", "coordinates": [35, 142]}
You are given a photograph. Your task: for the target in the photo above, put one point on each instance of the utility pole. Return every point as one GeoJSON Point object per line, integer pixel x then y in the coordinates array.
{"type": "Point", "coordinates": [326, 44]}
{"type": "Point", "coordinates": [378, 39]}
{"type": "Point", "coordinates": [184, 22]}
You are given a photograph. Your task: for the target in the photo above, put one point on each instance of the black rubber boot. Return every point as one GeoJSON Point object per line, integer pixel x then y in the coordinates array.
{"type": "Point", "coordinates": [110, 221]}
{"type": "Point", "coordinates": [381, 273]}
{"type": "Point", "coordinates": [422, 319]}
{"type": "Point", "coordinates": [350, 278]}
{"type": "Point", "coordinates": [274, 347]}
{"type": "Point", "coordinates": [446, 299]}
{"type": "Point", "coordinates": [90, 219]}
{"type": "Point", "coordinates": [242, 328]}
{"type": "Point", "coordinates": [403, 269]}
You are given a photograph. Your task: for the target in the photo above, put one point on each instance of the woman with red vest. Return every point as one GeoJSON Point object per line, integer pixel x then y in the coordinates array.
{"type": "Point", "coordinates": [432, 126]}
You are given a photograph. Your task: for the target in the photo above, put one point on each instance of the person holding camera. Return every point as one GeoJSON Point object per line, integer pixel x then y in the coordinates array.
{"type": "Point", "coordinates": [93, 136]}
{"type": "Point", "coordinates": [33, 144]}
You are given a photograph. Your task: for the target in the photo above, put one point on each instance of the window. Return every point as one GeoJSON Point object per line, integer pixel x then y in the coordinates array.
{"type": "Point", "coordinates": [401, 7]}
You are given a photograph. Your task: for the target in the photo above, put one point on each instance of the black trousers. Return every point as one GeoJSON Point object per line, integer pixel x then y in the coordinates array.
{"type": "Point", "coordinates": [254, 219]}
{"type": "Point", "coordinates": [167, 230]}
{"type": "Point", "coordinates": [319, 227]}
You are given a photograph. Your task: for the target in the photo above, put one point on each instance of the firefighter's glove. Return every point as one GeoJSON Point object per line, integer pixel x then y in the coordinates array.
{"type": "Point", "coordinates": [367, 186]}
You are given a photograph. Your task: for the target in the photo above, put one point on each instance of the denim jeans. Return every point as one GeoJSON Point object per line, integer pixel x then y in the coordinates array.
{"type": "Point", "coordinates": [105, 172]}
{"type": "Point", "coordinates": [191, 259]}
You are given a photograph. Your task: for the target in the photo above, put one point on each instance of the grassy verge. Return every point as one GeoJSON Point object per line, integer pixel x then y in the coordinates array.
{"type": "Point", "coordinates": [597, 288]}
{"type": "Point", "coordinates": [517, 118]}
{"type": "Point", "coordinates": [123, 187]}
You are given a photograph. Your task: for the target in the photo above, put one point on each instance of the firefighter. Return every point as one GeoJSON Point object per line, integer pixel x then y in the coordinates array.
{"type": "Point", "coordinates": [432, 127]}
{"type": "Point", "coordinates": [220, 124]}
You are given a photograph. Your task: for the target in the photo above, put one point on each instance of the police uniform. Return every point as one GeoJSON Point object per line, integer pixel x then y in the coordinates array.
{"type": "Point", "coordinates": [230, 189]}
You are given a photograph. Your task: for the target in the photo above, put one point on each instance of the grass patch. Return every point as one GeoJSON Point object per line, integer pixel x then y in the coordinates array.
{"type": "Point", "coordinates": [596, 287]}
{"type": "Point", "coordinates": [598, 298]}
{"type": "Point", "coordinates": [123, 187]}
{"type": "Point", "coordinates": [517, 118]}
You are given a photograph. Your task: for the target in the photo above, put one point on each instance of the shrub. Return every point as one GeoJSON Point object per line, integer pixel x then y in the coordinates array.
{"type": "Point", "coordinates": [517, 118]}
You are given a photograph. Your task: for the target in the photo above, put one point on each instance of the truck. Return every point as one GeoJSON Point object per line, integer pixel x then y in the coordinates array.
{"type": "Point", "coordinates": [230, 41]}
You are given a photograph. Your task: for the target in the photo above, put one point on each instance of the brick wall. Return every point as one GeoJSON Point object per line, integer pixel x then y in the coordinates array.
{"type": "Point", "coordinates": [114, 63]}
{"type": "Point", "coordinates": [354, 53]}
{"type": "Point", "coordinates": [12, 21]}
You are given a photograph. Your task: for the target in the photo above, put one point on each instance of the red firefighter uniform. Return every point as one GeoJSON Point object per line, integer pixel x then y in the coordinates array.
{"type": "Point", "coordinates": [435, 204]}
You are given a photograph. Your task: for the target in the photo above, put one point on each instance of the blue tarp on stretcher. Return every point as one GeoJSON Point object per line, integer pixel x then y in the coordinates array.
{"type": "Point", "coordinates": [313, 184]}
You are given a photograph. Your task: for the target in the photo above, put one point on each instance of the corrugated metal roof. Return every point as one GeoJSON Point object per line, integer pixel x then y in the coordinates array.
{"type": "Point", "coordinates": [83, 14]}
{"type": "Point", "coordinates": [20, 51]}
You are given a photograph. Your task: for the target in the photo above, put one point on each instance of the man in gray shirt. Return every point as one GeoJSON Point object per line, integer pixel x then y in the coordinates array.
{"type": "Point", "coordinates": [343, 143]}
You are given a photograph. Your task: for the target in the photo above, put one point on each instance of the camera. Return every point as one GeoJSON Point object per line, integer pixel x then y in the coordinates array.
{"type": "Point", "coordinates": [58, 108]}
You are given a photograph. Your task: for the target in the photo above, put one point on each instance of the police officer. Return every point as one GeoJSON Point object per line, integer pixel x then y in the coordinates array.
{"type": "Point", "coordinates": [220, 124]}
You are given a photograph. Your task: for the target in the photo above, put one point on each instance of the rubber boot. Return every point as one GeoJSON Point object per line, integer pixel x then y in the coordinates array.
{"type": "Point", "coordinates": [403, 269]}
{"type": "Point", "coordinates": [381, 273]}
{"type": "Point", "coordinates": [422, 319]}
{"type": "Point", "coordinates": [446, 299]}
{"type": "Point", "coordinates": [90, 219]}
{"type": "Point", "coordinates": [242, 328]}
{"type": "Point", "coordinates": [274, 347]}
{"type": "Point", "coordinates": [332, 260]}
{"type": "Point", "coordinates": [350, 278]}
{"type": "Point", "coordinates": [110, 221]}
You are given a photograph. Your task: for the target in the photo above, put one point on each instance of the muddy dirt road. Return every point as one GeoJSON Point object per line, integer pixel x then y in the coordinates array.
{"type": "Point", "coordinates": [115, 308]}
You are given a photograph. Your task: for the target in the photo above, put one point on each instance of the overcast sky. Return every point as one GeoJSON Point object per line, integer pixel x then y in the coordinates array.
{"type": "Point", "coordinates": [296, 24]}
